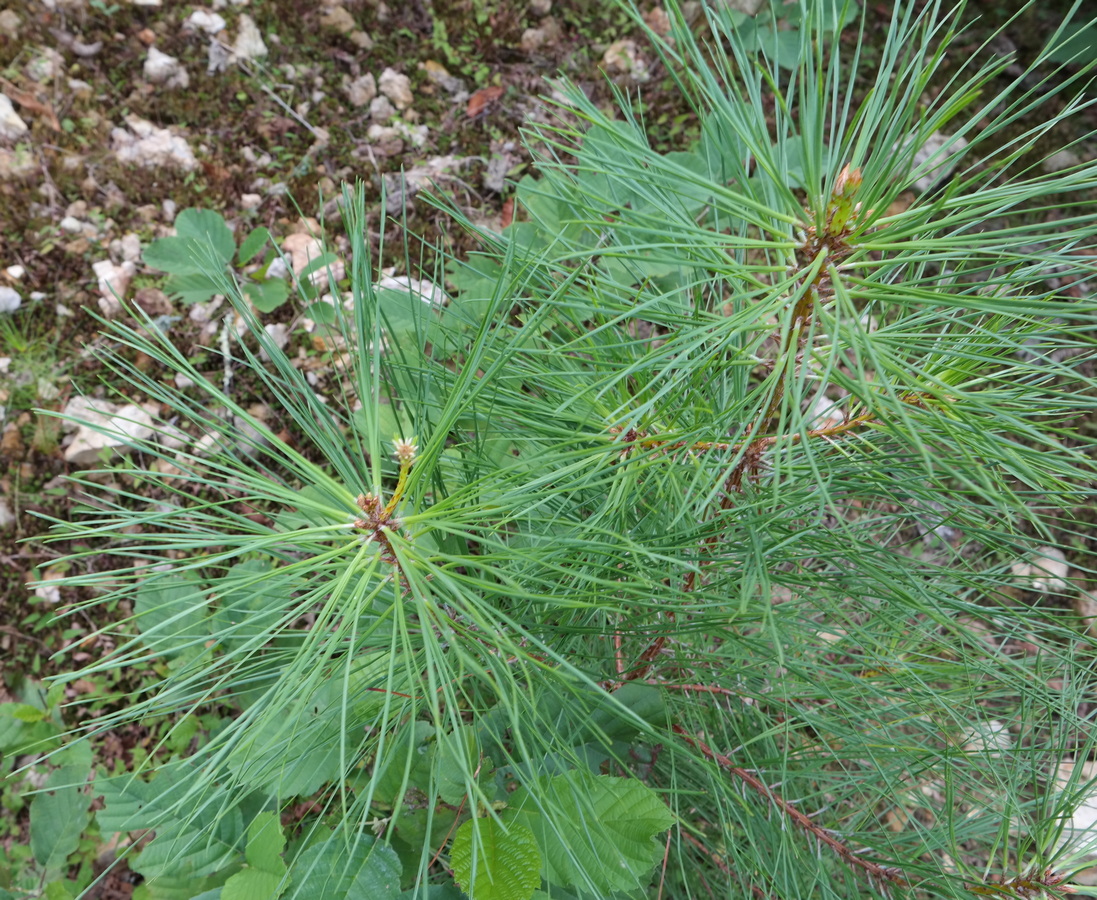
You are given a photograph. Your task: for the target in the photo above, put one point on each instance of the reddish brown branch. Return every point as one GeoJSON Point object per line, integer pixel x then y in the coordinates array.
{"type": "Point", "coordinates": [873, 870]}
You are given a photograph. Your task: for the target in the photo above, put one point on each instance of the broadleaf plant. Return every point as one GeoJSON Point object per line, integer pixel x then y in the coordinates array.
{"type": "Point", "coordinates": [674, 555]}
{"type": "Point", "coordinates": [198, 256]}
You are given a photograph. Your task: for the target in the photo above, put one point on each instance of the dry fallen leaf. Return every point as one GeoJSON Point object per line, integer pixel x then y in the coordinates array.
{"type": "Point", "coordinates": [482, 99]}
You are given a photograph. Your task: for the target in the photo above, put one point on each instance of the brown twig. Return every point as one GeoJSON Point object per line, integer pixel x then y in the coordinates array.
{"type": "Point", "coordinates": [873, 870]}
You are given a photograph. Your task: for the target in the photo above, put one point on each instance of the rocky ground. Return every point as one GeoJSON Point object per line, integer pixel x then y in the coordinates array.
{"type": "Point", "coordinates": [116, 115]}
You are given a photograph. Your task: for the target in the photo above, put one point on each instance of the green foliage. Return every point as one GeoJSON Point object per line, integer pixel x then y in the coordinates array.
{"type": "Point", "coordinates": [198, 257]}
{"type": "Point", "coordinates": [494, 861]}
{"type": "Point", "coordinates": [672, 550]}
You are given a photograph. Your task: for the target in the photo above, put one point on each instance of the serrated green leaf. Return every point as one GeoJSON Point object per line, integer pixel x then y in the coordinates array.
{"type": "Point", "coordinates": [194, 287]}
{"type": "Point", "coordinates": [253, 243]}
{"type": "Point", "coordinates": [492, 861]}
{"type": "Point", "coordinates": [331, 871]}
{"type": "Point", "coordinates": [266, 843]}
{"type": "Point", "coordinates": [177, 256]}
{"type": "Point", "coordinates": [247, 607]}
{"type": "Point", "coordinates": [58, 816]}
{"type": "Point", "coordinates": [456, 758]}
{"type": "Point", "coordinates": [267, 295]}
{"type": "Point", "coordinates": [208, 230]}
{"type": "Point", "coordinates": [252, 884]}
{"type": "Point", "coordinates": [24, 712]}
{"type": "Point", "coordinates": [171, 610]}
{"type": "Point", "coordinates": [434, 892]}
{"type": "Point", "coordinates": [594, 831]}
{"type": "Point", "coordinates": [321, 312]}
{"type": "Point", "coordinates": [131, 804]}
{"type": "Point", "coordinates": [60, 890]}
{"type": "Point", "coordinates": [193, 846]}
{"type": "Point", "coordinates": [177, 889]}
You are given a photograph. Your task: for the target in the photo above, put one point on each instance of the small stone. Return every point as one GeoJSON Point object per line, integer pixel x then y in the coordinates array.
{"type": "Point", "coordinates": [81, 90]}
{"type": "Point", "coordinates": [624, 58]}
{"type": "Point", "coordinates": [425, 290]}
{"type": "Point", "coordinates": [933, 152]}
{"type": "Point", "coordinates": [102, 426]}
{"type": "Point", "coordinates": [15, 272]}
{"type": "Point", "coordinates": [250, 201]}
{"type": "Point", "coordinates": [218, 57]}
{"type": "Point", "coordinates": [1078, 835]}
{"type": "Point", "coordinates": [11, 126]}
{"type": "Point", "coordinates": [46, 590]}
{"type": "Point", "coordinates": [147, 36]}
{"type": "Point", "coordinates": [131, 247]}
{"type": "Point", "coordinates": [362, 90]}
{"type": "Point", "coordinates": [114, 281]}
{"type": "Point", "coordinates": [71, 224]}
{"type": "Point", "coordinates": [151, 147]}
{"type": "Point", "coordinates": [251, 438]}
{"type": "Point", "coordinates": [165, 70]}
{"type": "Point", "coordinates": [338, 19]}
{"type": "Point", "coordinates": [204, 20]}
{"type": "Point", "coordinates": [1062, 160]}
{"type": "Point", "coordinates": [380, 134]}
{"type": "Point", "coordinates": [279, 335]}
{"type": "Point", "coordinates": [540, 8]}
{"type": "Point", "coordinates": [1085, 605]}
{"type": "Point", "coordinates": [9, 23]}
{"type": "Point", "coordinates": [380, 110]}
{"type": "Point", "coordinates": [47, 66]}
{"type": "Point", "coordinates": [7, 517]}
{"type": "Point", "coordinates": [438, 74]}
{"type": "Point", "coordinates": [396, 87]}
{"type": "Point", "coordinates": [302, 249]}
{"type": "Point", "coordinates": [988, 737]}
{"type": "Point", "coordinates": [658, 21]}
{"type": "Point", "coordinates": [1046, 572]}
{"type": "Point", "coordinates": [361, 40]}
{"type": "Point", "coordinates": [249, 43]}
{"type": "Point", "coordinates": [533, 39]}
{"type": "Point", "coordinates": [10, 300]}
{"type": "Point", "coordinates": [277, 268]}
{"type": "Point", "coordinates": [153, 302]}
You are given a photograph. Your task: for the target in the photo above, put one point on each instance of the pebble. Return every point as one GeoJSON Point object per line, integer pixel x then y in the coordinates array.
{"type": "Point", "coordinates": [123, 425]}
{"type": "Point", "coordinates": [9, 23]}
{"type": "Point", "coordinates": [204, 20]}
{"type": "Point", "coordinates": [396, 87]}
{"type": "Point", "coordinates": [339, 19]}
{"type": "Point", "coordinates": [131, 247]}
{"type": "Point", "coordinates": [11, 126]}
{"type": "Point", "coordinates": [381, 110]}
{"type": "Point", "coordinates": [249, 43]}
{"type": "Point", "coordinates": [1064, 159]}
{"type": "Point", "coordinates": [362, 90]}
{"type": "Point", "coordinates": [10, 300]}
{"type": "Point", "coordinates": [1046, 572]}
{"type": "Point", "coordinates": [361, 40]}
{"type": "Point", "coordinates": [152, 147]}
{"type": "Point", "coordinates": [624, 58]}
{"type": "Point", "coordinates": [165, 70]}
{"type": "Point", "coordinates": [946, 160]}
